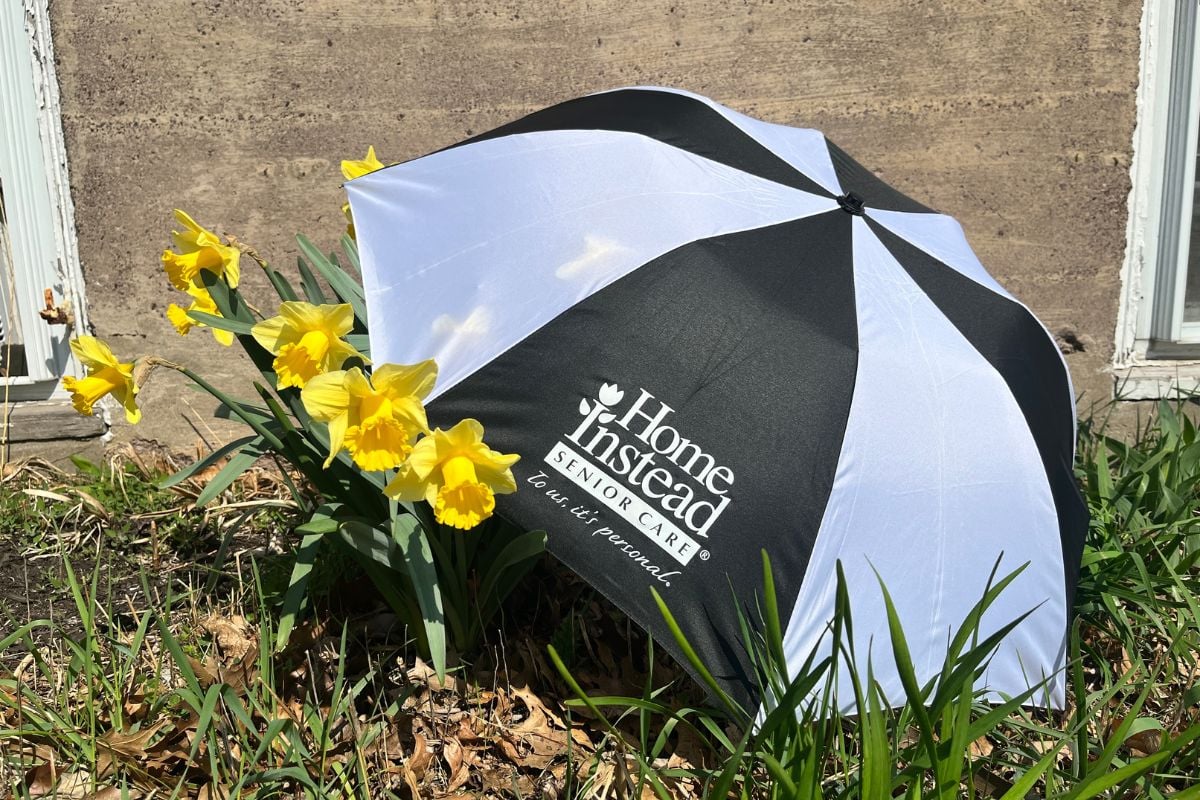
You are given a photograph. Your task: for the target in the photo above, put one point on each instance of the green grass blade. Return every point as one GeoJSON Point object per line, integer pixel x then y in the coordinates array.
{"type": "Point", "coordinates": [239, 463]}
{"type": "Point", "coordinates": [204, 463]}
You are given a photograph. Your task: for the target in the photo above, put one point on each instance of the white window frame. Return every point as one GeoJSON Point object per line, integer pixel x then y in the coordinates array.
{"type": "Point", "coordinates": [37, 200]}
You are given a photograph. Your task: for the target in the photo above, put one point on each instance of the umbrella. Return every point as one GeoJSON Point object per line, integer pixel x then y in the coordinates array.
{"type": "Point", "coordinates": [709, 336]}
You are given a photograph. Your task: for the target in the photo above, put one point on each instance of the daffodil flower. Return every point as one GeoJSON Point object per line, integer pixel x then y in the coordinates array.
{"type": "Point", "coordinates": [199, 249]}
{"type": "Point", "coordinates": [306, 340]}
{"type": "Point", "coordinates": [457, 474]}
{"type": "Point", "coordinates": [355, 169]}
{"type": "Point", "coordinates": [201, 301]}
{"type": "Point", "coordinates": [105, 375]}
{"type": "Point", "coordinates": [375, 419]}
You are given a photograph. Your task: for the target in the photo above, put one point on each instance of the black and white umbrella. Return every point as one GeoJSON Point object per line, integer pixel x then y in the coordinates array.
{"type": "Point", "coordinates": [708, 335]}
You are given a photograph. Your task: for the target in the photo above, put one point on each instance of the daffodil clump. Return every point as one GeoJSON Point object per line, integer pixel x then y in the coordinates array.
{"type": "Point", "coordinates": [376, 417]}
{"type": "Point", "coordinates": [357, 432]}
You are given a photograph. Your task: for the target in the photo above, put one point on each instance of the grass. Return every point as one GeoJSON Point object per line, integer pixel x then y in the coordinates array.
{"type": "Point", "coordinates": [157, 674]}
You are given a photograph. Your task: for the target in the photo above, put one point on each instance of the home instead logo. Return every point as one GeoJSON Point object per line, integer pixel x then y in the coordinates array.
{"type": "Point", "coordinates": [644, 470]}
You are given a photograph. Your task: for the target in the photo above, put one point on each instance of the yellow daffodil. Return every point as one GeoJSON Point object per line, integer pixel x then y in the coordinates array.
{"type": "Point", "coordinates": [376, 419]}
{"type": "Point", "coordinates": [201, 301]}
{"type": "Point", "coordinates": [306, 340]}
{"type": "Point", "coordinates": [355, 169]}
{"type": "Point", "coordinates": [198, 249]}
{"type": "Point", "coordinates": [457, 474]}
{"type": "Point", "coordinates": [105, 375]}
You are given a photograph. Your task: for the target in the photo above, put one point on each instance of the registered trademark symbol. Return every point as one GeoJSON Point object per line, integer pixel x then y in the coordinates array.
{"type": "Point", "coordinates": [704, 555]}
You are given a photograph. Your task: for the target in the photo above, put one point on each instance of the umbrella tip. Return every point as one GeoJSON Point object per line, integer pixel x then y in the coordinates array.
{"type": "Point", "coordinates": [851, 204]}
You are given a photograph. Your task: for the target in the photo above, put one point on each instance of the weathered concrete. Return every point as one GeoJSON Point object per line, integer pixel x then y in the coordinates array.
{"type": "Point", "coordinates": [1014, 116]}
{"type": "Point", "coordinates": [52, 431]}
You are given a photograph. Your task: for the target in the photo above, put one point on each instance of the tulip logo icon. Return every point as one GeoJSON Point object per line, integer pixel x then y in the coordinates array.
{"type": "Point", "coordinates": [610, 395]}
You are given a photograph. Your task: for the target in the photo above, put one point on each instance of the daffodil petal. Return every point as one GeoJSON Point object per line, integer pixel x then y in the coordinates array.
{"type": "Point", "coordinates": [360, 167]}
{"type": "Point", "coordinates": [356, 383]}
{"type": "Point", "coordinates": [186, 220]}
{"type": "Point", "coordinates": [337, 435]}
{"type": "Point", "coordinates": [407, 485]}
{"type": "Point", "coordinates": [302, 315]}
{"type": "Point", "coordinates": [416, 380]}
{"type": "Point", "coordinates": [424, 458]}
{"type": "Point", "coordinates": [410, 410]}
{"type": "Point", "coordinates": [339, 318]}
{"type": "Point", "coordinates": [233, 272]}
{"type": "Point", "coordinates": [270, 333]}
{"type": "Point", "coordinates": [465, 435]}
{"type": "Point", "coordinates": [325, 396]}
{"type": "Point", "coordinates": [222, 337]}
{"type": "Point", "coordinates": [340, 352]}
{"type": "Point", "coordinates": [93, 353]}
{"type": "Point", "coordinates": [178, 317]}
{"type": "Point", "coordinates": [126, 395]}
{"type": "Point", "coordinates": [495, 469]}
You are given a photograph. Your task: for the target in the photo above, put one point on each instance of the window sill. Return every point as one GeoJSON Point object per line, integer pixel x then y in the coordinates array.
{"type": "Point", "coordinates": [1157, 380]}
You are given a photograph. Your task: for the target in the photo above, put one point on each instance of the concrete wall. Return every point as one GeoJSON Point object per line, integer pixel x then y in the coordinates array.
{"type": "Point", "coordinates": [1014, 116]}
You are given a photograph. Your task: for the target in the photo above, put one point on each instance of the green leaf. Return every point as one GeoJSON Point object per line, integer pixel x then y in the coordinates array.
{"type": "Point", "coordinates": [255, 423]}
{"type": "Point", "coordinates": [350, 248]}
{"type": "Point", "coordinates": [908, 676]}
{"type": "Point", "coordinates": [208, 461]}
{"type": "Point", "coordinates": [371, 543]}
{"type": "Point", "coordinates": [689, 653]}
{"type": "Point", "coordinates": [418, 558]}
{"type": "Point", "coordinates": [498, 580]}
{"type": "Point", "coordinates": [296, 596]}
{"type": "Point", "coordinates": [238, 326]}
{"type": "Point", "coordinates": [312, 287]}
{"type": "Point", "coordinates": [1025, 785]}
{"type": "Point", "coordinates": [238, 464]}
{"type": "Point", "coordinates": [281, 285]}
{"type": "Point", "coordinates": [342, 284]}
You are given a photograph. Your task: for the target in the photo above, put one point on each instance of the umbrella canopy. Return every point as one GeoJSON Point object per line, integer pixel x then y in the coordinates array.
{"type": "Point", "coordinates": [707, 336]}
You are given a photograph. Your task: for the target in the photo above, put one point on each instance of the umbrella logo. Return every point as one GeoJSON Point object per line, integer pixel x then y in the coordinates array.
{"type": "Point", "coordinates": [609, 396]}
{"type": "Point", "coordinates": [645, 471]}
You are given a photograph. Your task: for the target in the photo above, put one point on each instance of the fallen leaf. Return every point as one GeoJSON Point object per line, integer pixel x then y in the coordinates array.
{"type": "Point", "coordinates": [1145, 743]}
{"type": "Point", "coordinates": [130, 745]}
{"type": "Point", "coordinates": [458, 760]}
{"type": "Point", "coordinates": [421, 757]}
{"type": "Point", "coordinates": [981, 748]}
{"type": "Point", "coordinates": [233, 635]}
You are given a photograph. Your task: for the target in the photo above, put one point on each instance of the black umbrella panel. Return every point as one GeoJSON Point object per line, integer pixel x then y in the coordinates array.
{"type": "Point", "coordinates": [707, 336]}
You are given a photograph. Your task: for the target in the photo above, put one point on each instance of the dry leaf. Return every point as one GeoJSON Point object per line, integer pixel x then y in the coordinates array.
{"type": "Point", "coordinates": [232, 635]}
{"type": "Point", "coordinates": [458, 760]}
{"type": "Point", "coordinates": [1145, 743]}
{"type": "Point", "coordinates": [981, 748]}
{"type": "Point", "coordinates": [421, 757]}
{"type": "Point", "coordinates": [130, 745]}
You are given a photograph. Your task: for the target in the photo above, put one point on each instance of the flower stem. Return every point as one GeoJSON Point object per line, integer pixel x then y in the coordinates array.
{"type": "Point", "coordinates": [150, 362]}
